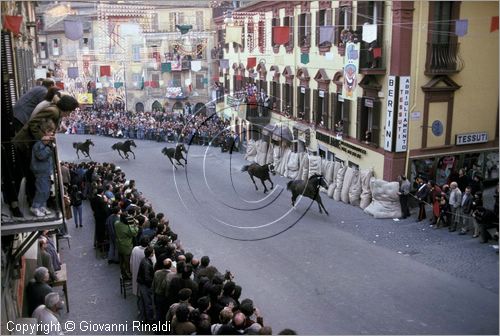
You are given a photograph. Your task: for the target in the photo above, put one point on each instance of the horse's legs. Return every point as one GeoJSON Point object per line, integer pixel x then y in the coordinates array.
{"type": "Point", "coordinates": [185, 160]}
{"type": "Point", "coordinates": [255, 184]}
{"type": "Point", "coordinates": [265, 188]}
{"type": "Point", "coordinates": [120, 153]}
{"type": "Point", "coordinates": [78, 156]}
{"type": "Point", "coordinates": [272, 184]}
{"type": "Point", "coordinates": [132, 154]}
{"type": "Point", "coordinates": [171, 161]}
{"type": "Point", "coordinates": [294, 197]}
{"type": "Point", "coordinates": [179, 163]}
{"type": "Point", "coordinates": [321, 205]}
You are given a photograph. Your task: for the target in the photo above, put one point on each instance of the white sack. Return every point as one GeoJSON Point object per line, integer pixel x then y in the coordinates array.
{"type": "Point", "coordinates": [270, 153]}
{"type": "Point", "coordinates": [261, 152]}
{"type": "Point", "coordinates": [314, 165]}
{"type": "Point", "coordinates": [339, 181]}
{"type": "Point", "coordinates": [346, 186]}
{"type": "Point", "coordinates": [329, 172]}
{"type": "Point", "coordinates": [355, 190]}
{"type": "Point", "coordinates": [385, 199]}
{"type": "Point", "coordinates": [366, 194]}
{"type": "Point", "coordinates": [251, 150]}
{"type": "Point", "coordinates": [304, 168]}
{"type": "Point", "coordinates": [293, 165]}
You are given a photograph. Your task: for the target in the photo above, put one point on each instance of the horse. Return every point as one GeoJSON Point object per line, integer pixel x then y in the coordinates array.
{"type": "Point", "coordinates": [309, 188]}
{"type": "Point", "coordinates": [84, 147]}
{"type": "Point", "coordinates": [261, 172]}
{"type": "Point", "coordinates": [175, 153]}
{"type": "Point", "coordinates": [125, 148]}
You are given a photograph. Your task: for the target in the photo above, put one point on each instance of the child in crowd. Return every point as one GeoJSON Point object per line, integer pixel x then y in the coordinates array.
{"type": "Point", "coordinates": [42, 158]}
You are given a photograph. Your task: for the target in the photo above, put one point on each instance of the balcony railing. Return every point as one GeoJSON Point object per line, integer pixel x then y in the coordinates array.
{"type": "Point", "coordinates": [443, 58]}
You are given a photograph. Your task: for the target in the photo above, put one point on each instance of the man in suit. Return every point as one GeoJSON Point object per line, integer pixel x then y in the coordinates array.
{"type": "Point", "coordinates": [464, 223]}
{"type": "Point", "coordinates": [37, 289]}
{"type": "Point", "coordinates": [404, 192]}
{"type": "Point", "coordinates": [422, 194]}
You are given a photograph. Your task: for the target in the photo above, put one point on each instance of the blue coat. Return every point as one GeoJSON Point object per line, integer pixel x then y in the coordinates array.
{"type": "Point", "coordinates": [42, 159]}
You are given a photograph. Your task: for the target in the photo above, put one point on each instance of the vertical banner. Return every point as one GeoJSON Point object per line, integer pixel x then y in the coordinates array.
{"type": "Point", "coordinates": [389, 117]}
{"type": "Point", "coordinates": [403, 110]}
{"type": "Point", "coordinates": [351, 66]}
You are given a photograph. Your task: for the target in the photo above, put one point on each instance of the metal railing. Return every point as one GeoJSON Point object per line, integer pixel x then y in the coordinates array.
{"type": "Point", "coordinates": [443, 58]}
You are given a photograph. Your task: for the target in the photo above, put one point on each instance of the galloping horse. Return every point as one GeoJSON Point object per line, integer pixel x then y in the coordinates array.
{"type": "Point", "coordinates": [309, 188]}
{"type": "Point", "coordinates": [83, 147]}
{"type": "Point", "coordinates": [176, 154]}
{"type": "Point", "coordinates": [125, 148]}
{"type": "Point", "coordinates": [261, 172]}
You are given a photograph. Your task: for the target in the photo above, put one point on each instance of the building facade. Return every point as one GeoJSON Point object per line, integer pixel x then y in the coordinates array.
{"type": "Point", "coordinates": [365, 81]}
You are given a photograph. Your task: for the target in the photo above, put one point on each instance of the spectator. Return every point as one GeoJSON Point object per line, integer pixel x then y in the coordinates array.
{"type": "Point", "coordinates": [45, 259]}
{"type": "Point", "coordinates": [135, 260]}
{"type": "Point", "coordinates": [455, 202]}
{"type": "Point", "coordinates": [110, 231]}
{"type": "Point", "coordinates": [422, 194]}
{"type": "Point", "coordinates": [145, 275]}
{"type": "Point", "coordinates": [466, 207]}
{"type": "Point", "coordinates": [125, 230]}
{"type": "Point", "coordinates": [47, 315]}
{"type": "Point", "coordinates": [76, 198]}
{"type": "Point", "coordinates": [37, 289]}
{"type": "Point", "coordinates": [160, 289]}
{"type": "Point", "coordinates": [28, 102]}
{"type": "Point", "coordinates": [404, 192]}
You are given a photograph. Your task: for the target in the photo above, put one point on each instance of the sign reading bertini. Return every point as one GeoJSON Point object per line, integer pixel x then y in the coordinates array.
{"type": "Point", "coordinates": [389, 119]}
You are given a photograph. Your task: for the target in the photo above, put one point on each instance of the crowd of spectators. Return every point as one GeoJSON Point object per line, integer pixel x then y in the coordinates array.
{"type": "Point", "coordinates": [171, 283]}
{"type": "Point", "coordinates": [156, 125]}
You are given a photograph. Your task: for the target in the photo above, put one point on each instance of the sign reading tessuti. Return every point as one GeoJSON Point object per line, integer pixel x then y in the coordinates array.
{"type": "Point", "coordinates": [471, 138]}
{"type": "Point", "coordinates": [403, 110]}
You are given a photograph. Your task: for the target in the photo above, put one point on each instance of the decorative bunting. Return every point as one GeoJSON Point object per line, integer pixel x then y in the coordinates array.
{"type": "Point", "coordinates": [118, 85]}
{"type": "Point", "coordinates": [60, 85]}
{"type": "Point", "coordinates": [195, 65]}
{"type": "Point", "coordinates": [73, 72]}
{"type": "Point", "coordinates": [13, 23]}
{"type": "Point", "coordinates": [377, 52]}
{"type": "Point", "coordinates": [304, 58]}
{"type": "Point", "coordinates": [281, 34]}
{"type": "Point", "coordinates": [251, 62]}
{"type": "Point", "coordinates": [73, 30]}
{"type": "Point", "coordinates": [369, 32]}
{"type": "Point", "coordinates": [233, 34]}
{"type": "Point", "coordinates": [176, 66]}
{"type": "Point", "coordinates": [494, 24]}
{"type": "Point", "coordinates": [224, 63]}
{"type": "Point", "coordinates": [461, 27]}
{"type": "Point", "coordinates": [105, 70]}
{"type": "Point", "coordinates": [166, 67]}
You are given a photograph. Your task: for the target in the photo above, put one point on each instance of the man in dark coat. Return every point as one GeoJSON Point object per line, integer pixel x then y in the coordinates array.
{"type": "Point", "coordinates": [28, 101]}
{"type": "Point", "coordinates": [37, 289]}
{"type": "Point", "coordinates": [465, 214]}
{"type": "Point", "coordinates": [422, 194]}
{"type": "Point", "coordinates": [145, 276]}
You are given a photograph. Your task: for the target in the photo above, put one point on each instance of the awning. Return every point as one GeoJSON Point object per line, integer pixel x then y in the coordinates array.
{"type": "Point", "coordinates": [268, 129]}
{"type": "Point", "coordinates": [282, 132]}
{"type": "Point", "coordinates": [301, 127]}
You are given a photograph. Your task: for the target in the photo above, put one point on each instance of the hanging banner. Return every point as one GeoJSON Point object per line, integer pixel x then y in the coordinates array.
{"type": "Point", "coordinates": [233, 34]}
{"type": "Point", "coordinates": [403, 110]}
{"type": "Point", "coordinates": [389, 117]}
{"type": "Point", "coordinates": [40, 73]}
{"type": "Point", "coordinates": [73, 72]}
{"type": "Point", "coordinates": [351, 66]}
{"type": "Point", "coordinates": [195, 65]}
{"type": "Point", "coordinates": [84, 98]}
{"type": "Point", "coordinates": [281, 35]}
{"type": "Point", "coordinates": [73, 30]}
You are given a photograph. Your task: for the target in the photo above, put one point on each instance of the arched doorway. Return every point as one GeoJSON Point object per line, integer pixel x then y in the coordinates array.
{"type": "Point", "coordinates": [139, 107]}
{"type": "Point", "coordinates": [156, 106]}
{"type": "Point", "coordinates": [199, 108]}
{"type": "Point", "coordinates": [178, 107]}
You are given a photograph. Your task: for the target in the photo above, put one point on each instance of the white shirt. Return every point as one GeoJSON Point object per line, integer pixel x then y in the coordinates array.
{"type": "Point", "coordinates": [48, 324]}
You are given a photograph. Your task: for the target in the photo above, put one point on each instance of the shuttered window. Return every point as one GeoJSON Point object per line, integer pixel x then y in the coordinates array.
{"type": "Point", "coordinates": [304, 30]}
{"type": "Point", "coordinates": [368, 120]}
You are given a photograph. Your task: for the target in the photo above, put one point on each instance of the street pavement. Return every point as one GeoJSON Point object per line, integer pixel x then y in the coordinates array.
{"type": "Point", "coordinates": [346, 273]}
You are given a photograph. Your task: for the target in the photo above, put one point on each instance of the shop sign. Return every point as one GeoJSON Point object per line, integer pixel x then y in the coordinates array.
{"type": "Point", "coordinates": [302, 89]}
{"type": "Point", "coordinates": [403, 110]}
{"type": "Point", "coordinates": [389, 118]}
{"type": "Point", "coordinates": [368, 103]}
{"type": "Point", "coordinates": [321, 94]}
{"type": "Point", "coordinates": [471, 138]}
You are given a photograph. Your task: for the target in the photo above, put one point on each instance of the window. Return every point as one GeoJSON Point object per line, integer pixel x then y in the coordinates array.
{"type": "Point", "coordinates": [136, 53]}
{"type": "Point", "coordinates": [370, 13]}
{"type": "Point", "coordinates": [55, 47]}
{"type": "Point", "coordinates": [176, 79]}
{"type": "Point", "coordinates": [321, 108]}
{"type": "Point", "coordinates": [343, 21]}
{"type": "Point", "coordinates": [199, 20]}
{"type": "Point", "coordinates": [288, 21]}
{"type": "Point", "coordinates": [275, 94]}
{"type": "Point", "coordinates": [305, 30]}
{"type": "Point", "coordinates": [340, 111]}
{"type": "Point", "coordinates": [199, 82]}
{"type": "Point", "coordinates": [324, 18]}
{"type": "Point", "coordinates": [275, 23]}
{"type": "Point", "coordinates": [43, 49]}
{"type": "Point", "coordinates": [287, 107]}
{"type": "Point", "coordinates": [180, 18]}
{"type": "Point", "coordinates": [303, 103]}
{"type": "Point", "coordinates": [155, 77]}
{"type": "Point", "coordinates": [368, 121]}
{"type": "Point", "coordinates": [172, 21]}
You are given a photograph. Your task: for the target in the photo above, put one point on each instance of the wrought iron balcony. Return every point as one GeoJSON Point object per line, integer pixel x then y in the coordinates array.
{"type": "Point", "coordinates": [443, 58]}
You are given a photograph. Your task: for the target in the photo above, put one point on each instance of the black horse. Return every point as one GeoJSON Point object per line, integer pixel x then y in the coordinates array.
{"type": "Point", "coordinates": [125, 148]}
{"type": "Point", "coordinates": [261, 172]}
{"type": "Point", "coordinates": [84, 147]}
{"type": "Point", "coordinates": [309, 188]}
{"type": "Point", "coordinates": [176, 154]}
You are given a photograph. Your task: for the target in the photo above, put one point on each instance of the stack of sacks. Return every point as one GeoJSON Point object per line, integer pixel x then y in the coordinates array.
{"type": "Point", "coordinates": [314, 166]}
{"type": "Point", "coordinates": [276, 156]}
{"type": "Point", "coordinates": [331, 188]}
{"type": "Point", "coordinates": [355, 190]}
{"type": "Point", "coordinates": [339, 181]}
{"type": "Point", "coordinates": [251, 150]}
{"type": "Point", "coordinates": [366, 194]}
{"type": "Point", "coordinates": [270, 153]}
{"type": "Point", "coordinates": [260, 158]}
{"type": "Point", "coordinates": [346, 185]}
{"type": "Point", "coordinates": [304, 168]}
{"type": "Point", "coordinates": [385, 199]}
{"type": "Point", "coordinates": [281, 168]}
{"type": "Point", "coordinates": [328, 171]}
{"type": "Point", "coordinates": [293, 165]}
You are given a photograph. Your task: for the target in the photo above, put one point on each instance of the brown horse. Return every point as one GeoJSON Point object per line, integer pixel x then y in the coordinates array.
{"type": "Point", "coordinates": [84, 147]}
{"type": "Point", "coordinates": [175, 153]}
{"type": "Point", "coordinates": [309, 188]}
{"type": "Point", "coordinates": [261, 172]}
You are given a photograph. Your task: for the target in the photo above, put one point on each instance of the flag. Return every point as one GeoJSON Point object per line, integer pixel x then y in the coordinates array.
{"type": "Point", "coordinates": [326, 34]}
{"type": "Point", "coordinates": [233, 34]}
{"type": "Point", "coordinates": [251, 62]}
{"type": "Point", "coordinates": [224, 63]}
{"type": "Point", "coordinates": [12, 23]}
{"type": "Point", "coordinates": [73, 72]}
{"type": "Point", "coordinates": [369, 32]}
{"type": "Point", "coordinates": [461, 27]}
{"type": "Point", "coordinates": [196, 65]}
{"type": "Point", "coordinates": [60, 85]}
{"type": "Point", "coordinates": [281, 34]}
{"type": "Point", "coordinates": [176, 66]}
{"type": "Point", "coordinates": [105, 70]}
{"type": "Point", "coordinates": [73, 30]}
{"type": "Point", "coordinates": [494, 24]}
{"type": "Point", "coordinates": [118, 85]}
{"type": "Point", "coordinates": [304, 58]}
{"type": "Point", "coordinates": [166, 67]}
{"type": "Point", "coordinates": [377, 52]}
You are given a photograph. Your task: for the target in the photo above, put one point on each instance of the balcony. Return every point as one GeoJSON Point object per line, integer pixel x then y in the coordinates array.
{"type": "Point", "coordinates": [372, 60]}
{"type": "Point", "coordinates": [442, 59]}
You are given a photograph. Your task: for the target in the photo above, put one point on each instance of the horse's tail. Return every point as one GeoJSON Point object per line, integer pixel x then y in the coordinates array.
{"type": "Point", "coordinates": [245, 168]}
{"type": "Point", "coordinates": [289, 185]}
{"type": "Point", "coordinates": [75, 144]}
